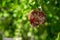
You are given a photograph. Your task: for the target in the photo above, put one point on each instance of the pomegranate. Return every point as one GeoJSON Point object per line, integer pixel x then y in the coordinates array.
{"type": "Point", "coordinates": [36, 17]}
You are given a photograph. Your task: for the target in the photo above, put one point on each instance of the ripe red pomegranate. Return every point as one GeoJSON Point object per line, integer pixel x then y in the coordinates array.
{"type": "Point", "coordinates": [36, 17]}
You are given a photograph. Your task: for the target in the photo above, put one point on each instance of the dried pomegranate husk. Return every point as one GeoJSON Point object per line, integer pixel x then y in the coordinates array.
{"type": "Point", "coordinates": [36, 17]}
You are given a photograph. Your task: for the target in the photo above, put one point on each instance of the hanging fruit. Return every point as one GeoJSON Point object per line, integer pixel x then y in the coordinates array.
{"type": "Point", "coordinates": [36, 17]}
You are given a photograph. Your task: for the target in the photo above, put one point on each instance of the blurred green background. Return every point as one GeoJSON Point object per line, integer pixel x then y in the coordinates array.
{"type": "Point", "coordinates": [14, 21]}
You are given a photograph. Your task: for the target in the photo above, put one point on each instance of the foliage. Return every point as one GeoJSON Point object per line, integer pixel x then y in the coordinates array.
{"type": "Point", "coordinates": [14, 21]}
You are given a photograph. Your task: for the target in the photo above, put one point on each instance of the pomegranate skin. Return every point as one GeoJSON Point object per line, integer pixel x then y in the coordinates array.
{"type": "Point", "coordinates": [36, 17]}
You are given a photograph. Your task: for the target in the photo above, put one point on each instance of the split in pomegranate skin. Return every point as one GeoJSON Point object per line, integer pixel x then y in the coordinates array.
{"type": "Point", "coordinates": [36, 17]}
